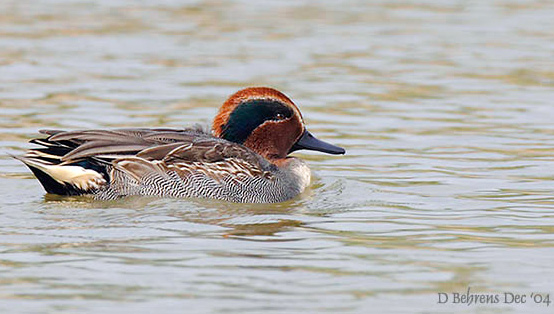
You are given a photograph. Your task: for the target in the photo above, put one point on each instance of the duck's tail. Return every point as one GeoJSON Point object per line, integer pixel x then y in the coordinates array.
{"type": "Point", "coordinates": [57, 177]}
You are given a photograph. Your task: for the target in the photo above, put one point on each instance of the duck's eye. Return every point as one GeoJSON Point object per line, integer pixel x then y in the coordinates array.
{"type": "Point", "coordinates": [280, 116]}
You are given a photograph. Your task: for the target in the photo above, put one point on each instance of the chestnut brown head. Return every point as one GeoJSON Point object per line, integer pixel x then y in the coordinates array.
{"type": "Point", "coordinates": [268, 122]}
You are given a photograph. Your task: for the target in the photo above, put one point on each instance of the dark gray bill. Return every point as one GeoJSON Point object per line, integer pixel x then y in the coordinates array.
{"type": "Point", "coordinates": [308, 141]}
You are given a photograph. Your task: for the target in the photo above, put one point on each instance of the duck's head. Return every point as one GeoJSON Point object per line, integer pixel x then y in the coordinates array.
{"type": "Point", "coordinates": [268, 122]}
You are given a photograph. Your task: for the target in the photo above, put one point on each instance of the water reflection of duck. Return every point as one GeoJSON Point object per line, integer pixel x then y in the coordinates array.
{"type": "Point", "coordinates": [243, 160]}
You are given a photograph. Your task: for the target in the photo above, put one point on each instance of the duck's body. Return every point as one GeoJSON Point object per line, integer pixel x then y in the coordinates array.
{"type": "Point", "coordinates": [243, 160]}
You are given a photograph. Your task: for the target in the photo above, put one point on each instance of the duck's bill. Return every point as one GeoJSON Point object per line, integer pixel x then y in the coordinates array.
{"type": "Point", "coordinates": [310, 142]}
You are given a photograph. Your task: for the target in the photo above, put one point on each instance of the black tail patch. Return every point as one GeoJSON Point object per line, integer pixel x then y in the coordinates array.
{"type": "Point", "coordinates": [53, 186]}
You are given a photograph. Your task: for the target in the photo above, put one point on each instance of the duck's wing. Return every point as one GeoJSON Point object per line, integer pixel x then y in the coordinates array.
{"type": "Point", "coordinates": [113, 144]}
{"type": "Point", "coordinates": [214, 158]}
{"type": "Point", "coordinates": [77, 162]}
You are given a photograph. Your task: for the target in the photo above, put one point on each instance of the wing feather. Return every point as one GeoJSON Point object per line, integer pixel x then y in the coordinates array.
{"type": "Point", "coordinates": [116, 143]}
{"type": "Point", "coordinates": [142, 153]}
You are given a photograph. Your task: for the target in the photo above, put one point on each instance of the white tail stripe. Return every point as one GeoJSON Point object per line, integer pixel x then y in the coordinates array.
{"type": "Point", "coordinates": [37, 154]}
{"type": "Point", "coordinates": [84, 179]}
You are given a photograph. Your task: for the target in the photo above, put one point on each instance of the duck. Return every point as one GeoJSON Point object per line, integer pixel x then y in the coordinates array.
{"type": "Point", "coordinates": [245, 158]}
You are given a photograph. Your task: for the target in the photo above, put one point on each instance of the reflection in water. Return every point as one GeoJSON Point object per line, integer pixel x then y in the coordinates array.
{"type": "Point", "coordinates": [444, 108]}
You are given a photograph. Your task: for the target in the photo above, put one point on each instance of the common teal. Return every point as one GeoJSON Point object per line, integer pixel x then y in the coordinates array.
{"type": "Point", "coordinates": [244, 159]}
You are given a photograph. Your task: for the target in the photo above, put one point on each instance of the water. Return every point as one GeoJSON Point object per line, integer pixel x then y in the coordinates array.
{"type": "Point", "coordinates": [445, 109]}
